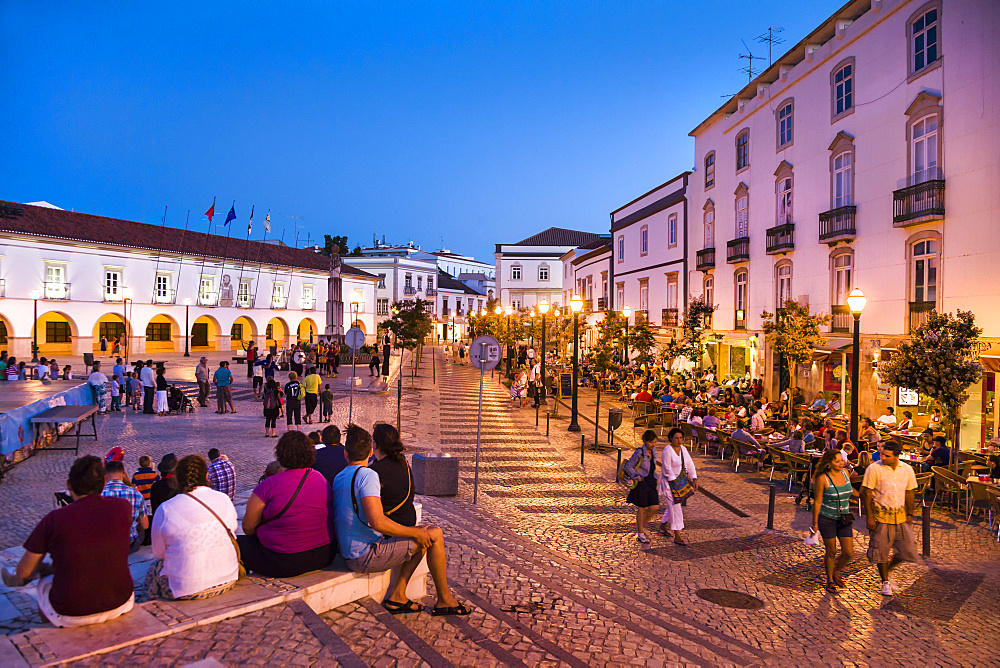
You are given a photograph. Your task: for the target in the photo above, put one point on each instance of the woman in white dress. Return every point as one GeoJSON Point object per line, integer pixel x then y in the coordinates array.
{"type": "Point", "coordinates": [673, 460]}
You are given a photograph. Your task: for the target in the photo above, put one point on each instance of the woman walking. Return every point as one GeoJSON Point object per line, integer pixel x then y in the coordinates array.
{"type": "Point", "coordinates": [677, 464]}
{"type": "Point", "coordinates": [272, 406]}
{"type": "Point", "coordinates": [640, 469]}
{"type": "Point", "coordinates": [831, 515]}
{"type": "Point", "coordinates": [162, 405]}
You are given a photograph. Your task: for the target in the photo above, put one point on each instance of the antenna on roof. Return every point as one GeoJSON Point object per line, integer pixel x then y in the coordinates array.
{"type": "Point", "coordinates": [750, 70]}
{"type": "Point", "coordinates": [770, 38]}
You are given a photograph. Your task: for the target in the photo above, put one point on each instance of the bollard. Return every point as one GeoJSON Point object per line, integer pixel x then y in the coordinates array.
{"type": "Point", "coordinates": [926, 532]}
{"type": "Point", "coordinates": [619, 460]}
{"type": "Point", "coordinates": [546, 425]}
{"type": "Point", "coordinates": [770, 507]}
{"type": "Point", "coordinates": [583, 442]}
{"type": "Point", "coordinates": [536, 413]}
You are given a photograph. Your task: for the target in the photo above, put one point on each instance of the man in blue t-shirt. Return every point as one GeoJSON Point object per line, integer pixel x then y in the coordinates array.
{"type": "Point", "coordinates": [223, 380]}
{"type": "Point", "coordinates": [118, 371]}
{"type": "Point", "coordinates": [370, 542]}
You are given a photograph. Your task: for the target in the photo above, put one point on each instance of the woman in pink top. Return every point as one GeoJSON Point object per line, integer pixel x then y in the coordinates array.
{"type": "Point", "coordinates": [288, 521]}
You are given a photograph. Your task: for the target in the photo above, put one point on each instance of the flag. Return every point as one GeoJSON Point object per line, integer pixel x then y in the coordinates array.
{"type": "Point", "coordinates": [232, 215]}
{"type": "Point", "coordinates": [211, 211]}
{"type": "Point", "coordinates": [250, 224]}
{"type": "Point", "coordinates": [267, 223]}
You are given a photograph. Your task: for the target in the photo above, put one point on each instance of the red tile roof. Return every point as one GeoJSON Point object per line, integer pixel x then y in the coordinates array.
{"type": "Point", "coordinates": [49, 223]}
{"type": "Point", "coordinates": [558, 236]}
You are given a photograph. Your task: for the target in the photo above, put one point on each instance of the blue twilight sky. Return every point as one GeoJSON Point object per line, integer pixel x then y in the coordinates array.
{"type": "Point", "coordinates": [462, 123]}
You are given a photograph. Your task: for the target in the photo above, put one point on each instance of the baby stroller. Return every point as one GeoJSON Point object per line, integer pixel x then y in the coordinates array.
{"type": "Point", "coordinates": [178, 402]}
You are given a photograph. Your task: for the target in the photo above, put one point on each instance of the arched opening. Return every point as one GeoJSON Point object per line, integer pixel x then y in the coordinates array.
{"type": "Point", "coordinates": [277, 333]}
{"type": "Point", "coordinates": [56, 332]}
{"type": "Point", "coordinates": [112, 327]}
{"type": "Point", "coordinates": [205, 334]}
{"type": "Point", "coordinates": [6, 334]}
{"type": "Point", "coordinates": [241, 333]}
{"type": "Point", "coordinates": [163, 335]}
{"type": "Point", "coordinates": [307, 331]}
{"type": "Point", "coordinates": [360, 325]}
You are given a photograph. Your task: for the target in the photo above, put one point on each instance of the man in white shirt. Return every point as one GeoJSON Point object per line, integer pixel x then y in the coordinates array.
{"type": "Point", "coordinates": [888, 490]}
{"type": "Point", "coordinates": [148, 387]}
{"type": "Point", "coordinates": [534, 377]}
{"type": "Point", "coordinates": [887, 420]}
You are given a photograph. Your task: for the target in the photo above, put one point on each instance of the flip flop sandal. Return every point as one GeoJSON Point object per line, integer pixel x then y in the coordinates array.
{"type": "Point", "coordinates": [680, 541]}
{"type": "Point", "coordinates": [460, 610]}
{"type": "Point", "coordinates": [402, 608]}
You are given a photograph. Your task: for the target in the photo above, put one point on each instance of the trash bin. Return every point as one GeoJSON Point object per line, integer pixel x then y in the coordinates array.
{"type": "Point", "coordinates": [614, 418]}
{"type": "Point", "coordinates": [88, 359]}
{"type": "Point", "coordinates": [435, 475]}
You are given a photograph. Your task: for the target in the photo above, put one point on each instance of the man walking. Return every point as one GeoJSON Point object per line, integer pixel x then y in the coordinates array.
{"type": "Point", "coordinates": [311, 384]}
{"type": "Point", "coordinates": [888, 490]}
{"type": "Point", "coordinates": [201, 375]}
{"type": "Point", "coordinates": [221, 473]}
{"type": "Point", "coordinates": [148, 380]}
{"type": "Point", "coordinates": [223, 380]}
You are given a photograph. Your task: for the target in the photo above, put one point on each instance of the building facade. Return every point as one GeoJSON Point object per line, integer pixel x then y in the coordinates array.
{"type": "Point", "coordinates": [587, 272]}
{"type": "Point", "coordinates": [530, 270]}
{"type": "Point", "coordinates": [165, 289]}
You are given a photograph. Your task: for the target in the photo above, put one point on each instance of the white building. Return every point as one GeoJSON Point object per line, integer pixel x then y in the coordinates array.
{"type": "Point", "coordinates": [864, 157]}
{"type": "Point", "coordinates": [405, 273]}
{"type": "Point", "coordinates": [530, 270]}
{"type": "Point", "coordinates": [587, 272]}
{"type": "Point", "coordinates": [454, 303]}
{"type": "Point", "coordinates": [649, 265]}
{"type": "Point", "coordinates": [91, 276]}
{"type": "Point", "coordinates": [454, 264]}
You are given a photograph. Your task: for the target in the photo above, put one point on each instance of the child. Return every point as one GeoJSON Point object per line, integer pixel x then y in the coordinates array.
{"type": "Point", "coordinates": [326, 407]}
{"type": "Point", "coordinates": [145, 477]}
{"type": "Point", "coordinates": [68, 372]}
{"type": "Point", "coordinates": [116, 395]}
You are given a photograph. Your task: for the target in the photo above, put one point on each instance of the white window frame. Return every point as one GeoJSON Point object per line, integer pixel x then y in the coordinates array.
{"type": "Point", "coordinates": [644, 240]}
{"type": "Point", "coordinates": [743, 216]}
{"type": "Point", "coordinates": [207, 295]}
{"type": "Point", "coordinates": [244, 297]}
{"type": "Point", "coordinates": [621, 248]}
{"type": "Point", "coordinates": [785, 114]}
{"type": "Point", "coordinates": [784, 204]}
{"type": "Point", "coordinates": [743, 150]}
{"type": "Point", "coordinates": [515, 272]}
{"type": "Point", "coordinates": [543, 272]}
{"type": "Point", "coordinates": [708, 289]}
{"type": "Point", "coordinates": [672, 230]}
{"type": "Point", "coordinates": [783, 283]}
{"type": "Point", "coordinates": [672, 290]}
{"type": "Point", "coordinates": [709, 170]}
{"type": "Point", "coordinates": [55, 279]}
{"type": "Point", "coordinates": [382, 305]}
{"type": "Point", "coordinates": [919, 47]}
{"type": "Point", "coordinates": [843, 181]}
{"type": "Point", "coordinates": [308, 298]}
{"type": "Point", "coordinates": [279, 299]}
{"type": "Point", "coordinates": [924, 148]}
{"type": "Point", "coordinates": [843, 277]}
{"type": "Point", "coordinates": [619, 296]}
{"type": "Point", "coordinates": [740, 289]}
{"type": "Point", "coordinates": [925, 265]}
{"type": "Point", "coordinates": [161, 288]}
{"type": "Point", "coordinates": [843, 89]}
{"type": "Point", "coordinates": [644, 294]}
{"type": "Point", "coordinates": [113, 283]}
{"type": "Point", "coordinates": [710, 228]}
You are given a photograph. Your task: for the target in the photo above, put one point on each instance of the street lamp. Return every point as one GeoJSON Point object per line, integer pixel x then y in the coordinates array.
{"type": "Point", "coordinates": [543, 308]}
{"type": "Point", "coordinates": [576, 305]}
{"type": "Point", "coordinates": [856, 302]}
{"type": "Point", "coordinates": [510, 347]}
{"type": "Point", "coordinates": [187, 326]}
{"type": "Point", "coordinates": [531, 329]}
{"type": "Point", "coordinates": [126, 298]}
{"type": "Point", "coordinates": [36, 294]}
{"type": "Point", "coordinates": [627, 311]}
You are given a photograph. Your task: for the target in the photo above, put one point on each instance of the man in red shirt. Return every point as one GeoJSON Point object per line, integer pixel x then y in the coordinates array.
{"type": "Point", "coordinates": [89, 543]}
{"type": "Point", "coordinates": [644, 395]}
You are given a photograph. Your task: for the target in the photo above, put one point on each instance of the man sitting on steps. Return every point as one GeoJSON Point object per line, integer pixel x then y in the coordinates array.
{"type": "Point", "coordinates": [371, 542]}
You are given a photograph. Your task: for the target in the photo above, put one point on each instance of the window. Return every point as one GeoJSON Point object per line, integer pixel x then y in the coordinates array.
{"type": "Point", "coordinates": [516, 302]}
{"type": "Point", "coordinates": [430, 283]}
{"type": "Point", "coordinates": [243, 294]}
{"type": "Point", "coordinates": [408, 281]}
{"type": "Point", "coordinates": [111, 330]}
{"type": "Point", "coordinates": [621, 249]}
{"type": "Point", "coordinates": [619, 295]}
{"type": "Point", "coordinates": [644, 294]}
{"type": "Point", "coordinates": [740, 298]}
{"type": "Point", "coordinates": [161, 289]}
{"type": "Point", "coordinates": [843, 89]}
{"type": "Point", "coordinates": [112, 284]}
{"type": "Point", "coordinates": [924, 271]}
{"type": "Point", "coordinates": [672, 230]}
{"type": "Point", "coordinates": [381, 280]}
{"type": "Point", "coordinates": [420, 283]}
{"type": "Point", "coordinates": [307, 296]}
{"type": "Point", "coordinates": [784, 118]}
{"type": "Point", "coordinates": [784, 207]}
{"type": "Point", "coordinates": [742, 150]}
{"type": "Point", "coordinates": [382, 306]}
{"type": "Point", "coordinates": [742, 216]}
{"type": "Point", "coordinates": [269, 332]}
{"type": "Point", "coordinates": [710, 170]}
{"type": "Point", "coordinates": [3, 332]}
{"type": "Point", "coordinates": [543, 272]}
{"type": "Point", "coordinates": [783, 283]}
{"type": "Point", "coordinates": [57, 332]}
{"type": "Point", "coordinates": [55, 281]}
{"type": "Point", "coordinates": [708, 290]}
{"type": "Point", "coordinates": [206, 291]}
{"type": "Point", "coordinates": [644, 240]}
{"type": "Point", "coordinates": [515, 272]}
{"type": "Point", "coordinates": [710, 228]}
{"type": "Point", "coordinates": [235, 333]}
{"type": "Point", "coordinates": [843, 268]}
{"type": "Point", "coordinates": [924, 149]}
{"type": "Point", "coordinates": [924, 40]}
{"type": "Point", "coordinates": [278, 295]}
{"type": "Point", "coordinates": [843, 181]}
{"type": "Point", "coordinates": [672, 290]}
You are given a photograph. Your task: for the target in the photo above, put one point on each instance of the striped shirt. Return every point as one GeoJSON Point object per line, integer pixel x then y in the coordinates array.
{"type": "Point", "coordinates": [143, 480]}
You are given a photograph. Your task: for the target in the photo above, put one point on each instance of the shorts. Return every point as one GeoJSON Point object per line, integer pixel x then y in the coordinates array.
{"type": "Point", "coordinates": [258, 381]}
{"type": "Point", "coordinates": [224, 394]}
{"type": "Point", "coordinates": [885, 537]}
{"type": "Point", "coordinates": [63, 621]}
{"type": "Point", "coordinates": [830, 528]}
{"type": "Point", "coordinates": [383, 554]}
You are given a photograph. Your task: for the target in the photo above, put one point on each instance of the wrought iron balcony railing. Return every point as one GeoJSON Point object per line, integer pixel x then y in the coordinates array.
{"type": "Point", "coordinates": [918, 203]}
{"type": "Point", "coordinates": [705, 259]}
{"type": "Point", "coordinates": [837, 224]}
{"type": "Point", "coordinates": [780, 239]}
{"type": "Point", "coordinates": [738, 250]}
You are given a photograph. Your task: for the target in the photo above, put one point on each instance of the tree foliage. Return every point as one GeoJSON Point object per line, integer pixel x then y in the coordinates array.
{"type": "Point", "coordinates": [410, 323]}
{"type": "Point", "coordinates": [693, 327]}
{"type": "Point", "coordinates": [605, 355]}
{"type": "Point", "coordinates": [939, 361]}
{"type": "Point", "coordinates": [795, 332]}
{"type": "Point", "coordinates": [641, 341]}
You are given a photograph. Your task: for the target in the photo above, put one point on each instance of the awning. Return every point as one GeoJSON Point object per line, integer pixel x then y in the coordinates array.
{"type": "Point", "coordinates": [821, 353]}
{"type": "Point", "coordinates": [990, 364]}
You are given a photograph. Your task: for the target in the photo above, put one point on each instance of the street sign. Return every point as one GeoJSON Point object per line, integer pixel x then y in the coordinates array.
{"type": "Point", "coordinates": [355, 338]}
{"type": "Point", "coordinates": [484, 353]}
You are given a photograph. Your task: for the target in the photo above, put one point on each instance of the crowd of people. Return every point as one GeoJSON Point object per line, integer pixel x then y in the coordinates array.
{"type": "Point", "coordinates": [320, 498]}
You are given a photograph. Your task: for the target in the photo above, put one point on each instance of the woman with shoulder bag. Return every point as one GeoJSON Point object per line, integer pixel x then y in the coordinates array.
{"type": "Point", "coordinates": [289, 521]}
{"type": "Point", "coordinates": [394, 474]}
{"type": "Point", "coordinates": [678, 481]}
{"type": "Point", "coordinates": [193, 538]}
{"type": "Point", "coordinates": [831, 515]}
{"type": "Point", "coordinates": [640, 469]}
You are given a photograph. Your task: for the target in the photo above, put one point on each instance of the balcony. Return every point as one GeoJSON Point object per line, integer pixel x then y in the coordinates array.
{"type": "Point", "coordinates": [56, 290]}
{"type": "Point", "coordinates": [279, 302]}
{"type": "Point", "coordinates": [837, 224]}
{"type": "Point", "coordinates": [738, 250]}
{"type": "Point", "coordinates": [918, 313]}
{"type": "Point", "coordinates": [740, 321]}
{"type": "Point", "coordinates": [602, 304]}
{"type": "Point", "coordinates": [840, 320]}
{"type": "Point", "coordinates": [308, 304]}
{"type": "Point", "coordinates": [208, 299]}
{"type": "Point", "coordinates": [244, 301]}
{"type": "Point", "coordinates": [431, 292]}
{"type": "Point", "coordinates": [780, 239]}
{"type": "Point", "coordinates": [164, 296]}
{"type": "Point", "coordinates": [3, 287]}
{"type": "Point", "coordinates": [668, 317]}
{"type": "Point", "coordinates": [705, 259]}
{"type": "Point", "coordinates": [115, 295]}
{"type": "Point", "coordinates": [921, 203]}
{"type": "Point", "coordinates": [641, 316]}
{"type": "Point", "coordinates": [409, 290]}
{"type": "Point", "coordinates": [445, 312]}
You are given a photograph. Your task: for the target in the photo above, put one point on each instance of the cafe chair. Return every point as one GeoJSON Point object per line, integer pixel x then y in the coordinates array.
{"type": "Point", "coordinates": [946, 482]}
{"type": "Point", "coordinates": [743, 450]}
{"type": "Point", "coordinates": [978, 499]}
{"type": "Point", "coordinates": [797, 465]}
{"type": "Point", "coordinates": [923, 484]}
{"type": "Point", "coordinates": [778, 460]}
{"type": "Point", "coordinates": [994, 496]}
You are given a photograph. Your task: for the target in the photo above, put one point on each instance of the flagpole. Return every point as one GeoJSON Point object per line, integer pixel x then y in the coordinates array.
{"type": "Point", "coordinates": [229, 229]}
{"type": "Point", "coordinates": [159, 250]}
{"type": "Point", "coordinates": [260, 252]}
{"type": "Point", "coordinates": [246, 248]}
{"type": "Point", "coordinates": [275, 276]}
{"type": "Point", "coordinates": [180, 262]}
{"type": "Point", "coordinates": [208, 235]}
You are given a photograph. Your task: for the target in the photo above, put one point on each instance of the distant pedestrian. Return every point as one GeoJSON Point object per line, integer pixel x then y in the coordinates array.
{"type": "Point", "coordinates": [148, 387]}
{"type": "Point", "coordinates": [832, 518]}
{"type": "Point", "coordinates": [326, 404]}
{"type": "Point", "coordinates": [104, 346]}
{"type": "Point", "coordinates": [888, 491]}
{"type": "Point", "coordinates": [116, 396]}
{"type": "Point", "coordinates": [99, 383]}
{"type": "Point", "coordinates": [271, 395]}
{"type": "Point", "coordinates": [162, 405]}
{"type": "Point", "coordinates": [294, 393]}
{"type": "Point", "coordinates": [374, 363]}
{"type": "Point", "coordinates": [221, 473]}
{"type": "Point", "coordinates": [251, 358]}
{"type": "Point", "coordinates": [258, 377]}
{"type": "Point", "coordinates": [677, 465]}
{"type": "Point", "coordinates": [311, 385]}
{"type": "Point", "coordinates": [223, 380]}
{"type": "Point", "coordinates": [640, 469]}
{"type": "Point", "coordinates": [461, 353]}
{"type": "Point", "coordinates": [201, 375]}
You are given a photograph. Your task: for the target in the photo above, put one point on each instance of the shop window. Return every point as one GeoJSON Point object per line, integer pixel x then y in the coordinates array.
{"type": "Point", "coordinates": [58, 332]}
{"type": "Point", "coordinates": [160, 331]}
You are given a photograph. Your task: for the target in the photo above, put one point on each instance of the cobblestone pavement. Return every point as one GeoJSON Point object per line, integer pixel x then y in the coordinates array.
{"type": "Point", "coordinates": [549, 559]}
